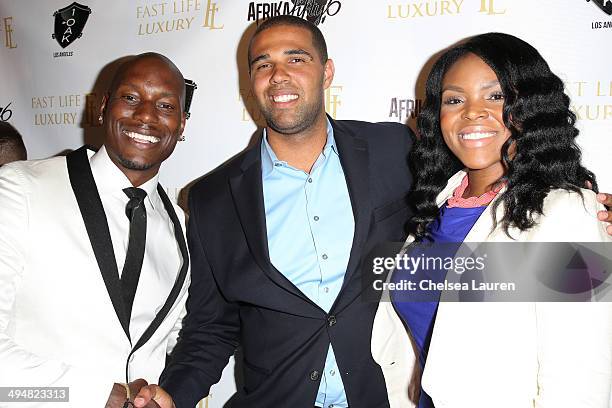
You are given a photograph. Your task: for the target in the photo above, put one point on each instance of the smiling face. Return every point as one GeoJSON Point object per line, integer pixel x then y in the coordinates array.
{"type": "Point", "coordinates": [288, 78]}
{"type": "Point", "coordinates": [471, 115]}
{"type": "Point", "coordinates": [143, 116]}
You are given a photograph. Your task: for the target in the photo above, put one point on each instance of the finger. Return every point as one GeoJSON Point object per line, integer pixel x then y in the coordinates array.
{"type": "Point", "coordinates": [152, 404]}
{"type": "Point", "coordinates": [605, 199]}
{"type": "Point", "coordinates": [604, 216]}
{"type": "Point", "coordinates": [146, 394]}
{"type": "Point", "coordinates": [136, 385]}
{"type": "Point", "coordinates": [588, 184]}
{"type": "Point", "coordinates": [609, 229]}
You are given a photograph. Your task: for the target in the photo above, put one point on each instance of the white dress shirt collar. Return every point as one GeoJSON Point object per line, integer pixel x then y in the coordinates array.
{"type": "Point", "coordinates": [110, 180]}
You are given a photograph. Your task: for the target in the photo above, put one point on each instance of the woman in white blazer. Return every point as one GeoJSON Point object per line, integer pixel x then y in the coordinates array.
{"type": "Point", "coordinates": [497, 162]}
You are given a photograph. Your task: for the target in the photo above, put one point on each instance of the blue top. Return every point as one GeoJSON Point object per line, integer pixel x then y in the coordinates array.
{"type": "Point", "coordinates": [454, 223]}
{"type": "Point", "coordinates": [452, 226]}
{"type": "Point", "coordinates": [310, 226]}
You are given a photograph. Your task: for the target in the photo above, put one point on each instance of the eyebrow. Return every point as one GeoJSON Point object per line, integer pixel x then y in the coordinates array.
{"type": "Point", "coordinates": [298, 52]}
{"type": "Point", "coordinates": [169, 95]}
{"type": "Point", "coordinates": [287, 52]}
{"type": "Point", "coordinates": [486, 85]}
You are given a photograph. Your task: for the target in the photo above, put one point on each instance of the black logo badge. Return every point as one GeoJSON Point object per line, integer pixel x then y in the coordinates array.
{"type": "Point", "coordinates": [69, 23]}
{"type": "Point", "coordinates": [604, 5]}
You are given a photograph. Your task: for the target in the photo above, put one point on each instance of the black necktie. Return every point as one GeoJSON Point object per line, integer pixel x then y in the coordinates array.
{"type": "Point", "coordinates": [137, 214]}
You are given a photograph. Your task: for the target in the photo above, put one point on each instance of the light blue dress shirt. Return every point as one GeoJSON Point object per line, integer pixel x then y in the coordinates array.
{"type": "Point", "coordinates": [310, 228]}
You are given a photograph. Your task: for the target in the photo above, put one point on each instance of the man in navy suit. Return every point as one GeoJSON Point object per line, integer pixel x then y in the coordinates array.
{"type": "Point", "coordinates": [277, 237]}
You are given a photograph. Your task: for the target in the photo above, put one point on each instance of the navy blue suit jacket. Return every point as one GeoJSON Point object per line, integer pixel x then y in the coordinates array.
{"type": "Point", "coordinates": [238, 298]}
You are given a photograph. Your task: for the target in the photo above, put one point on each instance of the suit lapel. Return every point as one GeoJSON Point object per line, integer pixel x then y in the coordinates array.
{"type": "Point", "coordinates": [90, 205]}
{"type": "Point", "coordinates": [247, 193]}
{"type": "Point", "coordinates": [354, 158]}
{"type": "Point", "coordinates": [182, 275]}
{"type": "Point", "coordinates": [94, 217]}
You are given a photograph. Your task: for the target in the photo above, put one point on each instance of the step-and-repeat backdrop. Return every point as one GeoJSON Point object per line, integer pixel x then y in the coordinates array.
{"type": "Point", "coordinates": [56, 59]}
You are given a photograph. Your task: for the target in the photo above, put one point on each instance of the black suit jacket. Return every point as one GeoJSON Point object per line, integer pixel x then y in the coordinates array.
{"type": "Point", "coordinates": [238, 297]}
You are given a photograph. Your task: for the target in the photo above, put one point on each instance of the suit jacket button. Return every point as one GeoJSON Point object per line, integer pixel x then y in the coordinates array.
{"type": "Point", "coordinates": [331, 320]}
{"type": "Point", "coordinates": [314, 375]}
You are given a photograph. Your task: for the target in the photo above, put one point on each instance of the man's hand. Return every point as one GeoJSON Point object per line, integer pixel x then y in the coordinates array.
{"type": "Point", "coordinates": [605, 199]}
{"type": "Point", "coordinates": [153, 394]}
{"type": "Point", "coordinates": [119, 394]}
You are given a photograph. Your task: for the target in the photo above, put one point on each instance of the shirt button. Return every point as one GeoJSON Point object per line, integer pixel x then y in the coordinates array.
{"type": "Point", "coordinates": [316, 218]}
{"type": "Point", "coordinates": [310, 179]}
{"type": "Point", "coordinates": [314, 375]}
{"type": "Point", "coordinates": [331, 320]}
{"type": "Point", "coordinates": [324, 256]}
{"type": "Point", "coordinates": [326, 289]}
{"type": "Point", "coordinates": [277, 164]}
{"type": "Point", "coordinates": [332, 372]}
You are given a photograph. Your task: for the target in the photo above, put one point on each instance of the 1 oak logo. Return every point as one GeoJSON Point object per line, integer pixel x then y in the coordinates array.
{"type": "Point", "coordinates": [604, 5]}
{"type": "Point", "coordinates": [69, 23]}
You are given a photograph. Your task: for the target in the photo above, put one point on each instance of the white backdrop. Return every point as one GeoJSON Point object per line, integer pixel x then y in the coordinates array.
{"type": "Point", "coordinates": [381, 49]}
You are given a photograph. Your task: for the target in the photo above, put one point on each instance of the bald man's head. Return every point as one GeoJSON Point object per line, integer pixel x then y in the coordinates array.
{"type": "Point", "coordinates": [147, 58]}
{"type": "Point", "coordinates": [143, 115]}
{"type": "Point", "coordinates": [11, 144]}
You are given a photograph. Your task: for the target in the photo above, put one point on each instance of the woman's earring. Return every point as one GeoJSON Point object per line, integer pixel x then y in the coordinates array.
{"type": "Point", "coordinates": [182, 138]}
{"type": "Point", "coordinates": [100, 119]}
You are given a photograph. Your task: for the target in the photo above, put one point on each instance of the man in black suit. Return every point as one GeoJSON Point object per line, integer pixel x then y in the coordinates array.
{"type": "Point", "coordinates": [259, 275]}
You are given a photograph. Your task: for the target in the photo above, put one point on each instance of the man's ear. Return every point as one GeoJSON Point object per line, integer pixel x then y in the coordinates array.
{"type": "Point", "coordinates": [183, 122]}
{"type": "Point", "coordinates": [103, 106]}
{"type": "Point", "coordinates": [328, 73]}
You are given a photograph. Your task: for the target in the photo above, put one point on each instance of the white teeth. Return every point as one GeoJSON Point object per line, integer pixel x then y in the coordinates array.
{"type": "Point", "coordinates": [284, 98]}
{"type": "Point", "coordinates": [477, 135]}
{"type": "Point", "coordinates": [142, 138]}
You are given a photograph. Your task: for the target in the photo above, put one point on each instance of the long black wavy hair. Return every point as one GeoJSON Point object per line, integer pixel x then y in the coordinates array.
{"type": "Point", "coordinates": [536, 111]}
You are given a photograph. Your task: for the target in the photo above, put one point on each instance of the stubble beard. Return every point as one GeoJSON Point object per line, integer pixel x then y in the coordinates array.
{"type": "Point", "coordinates": [305, 117]}
{"type": "Point", "coordinates": [132, 165]}
{"type": "Point", "coordinates": [127, 163]}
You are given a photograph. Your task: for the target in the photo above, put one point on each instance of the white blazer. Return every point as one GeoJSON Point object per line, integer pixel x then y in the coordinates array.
{"type": "Point", "coordinates": [515, 355]}
{"type": "Point", "coordinates": [58, 326]}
